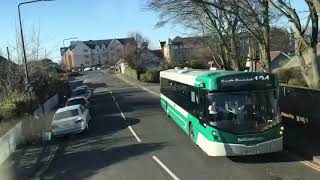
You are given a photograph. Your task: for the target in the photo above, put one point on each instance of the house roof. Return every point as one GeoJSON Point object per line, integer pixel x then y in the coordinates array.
{"type": "Point", "coordinates": [188, 40]}
{"type": "Point", "coordinates": [93, 43]}
{"type": "Point", "coordinates": [5, 60]}
{"type": "Point", "coordinates": [2, 59]}
{"type": "Point", "coordinates": [274, 55]}
{"type": "Point", "coordinates": [162, 43]}
{"type": "Point", "coordinates": [157, 53]}
{"type": "Point", "coordinates": [63, 50]}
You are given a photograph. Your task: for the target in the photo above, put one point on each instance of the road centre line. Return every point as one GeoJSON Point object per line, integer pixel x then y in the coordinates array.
{"type": "Point", "coordinates": [165, 168]}
{"type": "Point", "coordinates": [123, 116]}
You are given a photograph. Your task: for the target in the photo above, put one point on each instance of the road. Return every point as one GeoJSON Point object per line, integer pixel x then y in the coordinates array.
{"type": "Point", "coordinates": [132, 138]}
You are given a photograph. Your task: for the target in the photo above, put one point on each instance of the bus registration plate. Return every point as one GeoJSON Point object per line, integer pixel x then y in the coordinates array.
{"type": "Point", "coordinates": [251, 152]}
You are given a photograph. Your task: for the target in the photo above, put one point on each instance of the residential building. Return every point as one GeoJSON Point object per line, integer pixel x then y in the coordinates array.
{"type": "Point", "coordinates": [152, 60]}
{"type": "Point", "coordinates": [278, 59]}
{"type": "Point", "coordinates": [180, 49]}
{"type": "Point", "coordinates": [96, 52]}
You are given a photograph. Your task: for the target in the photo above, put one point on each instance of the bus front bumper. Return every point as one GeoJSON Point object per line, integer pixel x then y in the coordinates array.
{"type": "Point", "coordinates": [226, 149]}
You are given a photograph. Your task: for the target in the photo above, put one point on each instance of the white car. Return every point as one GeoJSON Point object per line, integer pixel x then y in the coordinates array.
{"type": "Point", "coordinates": [70, 119]}
{"type": "Point", "coordinates": [87, 69]}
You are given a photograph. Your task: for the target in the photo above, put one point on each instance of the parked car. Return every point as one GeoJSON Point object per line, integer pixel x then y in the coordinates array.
{"type": "Point", "coordinates": [81, 92]}
{"type": "Point", "coordinates": [98, 68]}
{"type": "Point", "coordinates": [87, 69]}
{"type": "Point", "coordinates": [71, 119]}
{"type": "Point", "coordinates": [78, 100]}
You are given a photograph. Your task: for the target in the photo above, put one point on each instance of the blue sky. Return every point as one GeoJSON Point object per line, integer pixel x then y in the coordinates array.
{"type": "Point", "coordinates": [85, 19]}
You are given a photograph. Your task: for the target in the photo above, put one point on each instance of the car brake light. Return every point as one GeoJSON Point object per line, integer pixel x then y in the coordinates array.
{"type": "Point", "coordinates": [79, 121]}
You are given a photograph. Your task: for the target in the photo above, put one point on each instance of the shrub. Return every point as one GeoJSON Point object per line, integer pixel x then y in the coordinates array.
{"type": "Point", "coordinates": [195, 64]}
{"type": "Point", "coordinates": [291, 76]}
{"type": "Point", "coordinates": [131, 72]}
{"type": "Point", "coordinates": [17, 104]}
{"type": "Point", "coordinates": [150, 76]}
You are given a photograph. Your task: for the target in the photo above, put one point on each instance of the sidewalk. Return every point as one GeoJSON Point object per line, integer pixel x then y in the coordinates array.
{"type": "Point", "coordinates": [22, 164]}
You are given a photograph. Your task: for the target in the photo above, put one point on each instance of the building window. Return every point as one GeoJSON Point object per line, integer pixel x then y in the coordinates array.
{"type": "Point", "coordinates": [85, 50]}
{"type": "Point", "coordinates": [86, 56]}
{"type": "Point", "coordinates": [87, 62]}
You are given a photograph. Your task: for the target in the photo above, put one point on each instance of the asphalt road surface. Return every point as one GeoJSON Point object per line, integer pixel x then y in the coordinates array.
{"type": "Point", "coordinates": [132, 138]}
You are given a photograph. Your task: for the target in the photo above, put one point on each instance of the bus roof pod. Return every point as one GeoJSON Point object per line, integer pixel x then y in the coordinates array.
{"type": "Point", "coordinates": [184, 70]}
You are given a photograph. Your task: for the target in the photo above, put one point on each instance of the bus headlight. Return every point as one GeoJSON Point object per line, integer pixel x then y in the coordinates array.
{"type": "Point", "coordinates": [215, 135]}
{"type": "Point", "coordinates": [281, 132]}
{"type": "Point", "coordinates": [281, 128]}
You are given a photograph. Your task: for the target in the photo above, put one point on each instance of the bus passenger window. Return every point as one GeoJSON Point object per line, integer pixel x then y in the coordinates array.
{"type": "Point", "coordinates": [193, 96]}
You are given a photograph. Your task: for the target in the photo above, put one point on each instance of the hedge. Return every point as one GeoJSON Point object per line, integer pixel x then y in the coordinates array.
{"type": "Point", "coordinates": [131, 73]}
{"type": "Point", "coordinates": [150, 76]}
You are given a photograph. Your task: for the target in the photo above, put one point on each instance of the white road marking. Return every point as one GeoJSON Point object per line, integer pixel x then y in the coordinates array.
{"type": "Point", "coordinates": [123, 116]}
{"type": "Point", "coordinates": [134, 134]}
{"type": "Point", "coordinates": [165, 168]}
{"type": "Point", "coordinates": [307, 163]}
{"type": "Point", "coordinates": [136, 85]}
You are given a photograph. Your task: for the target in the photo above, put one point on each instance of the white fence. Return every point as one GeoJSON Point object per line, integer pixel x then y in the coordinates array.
{"type": "Point", "coordinates": [9, 141]}
{"type": "Point", "coordinates": [48, 106]}
{"type": "Point", "coordinates": [15, 136]}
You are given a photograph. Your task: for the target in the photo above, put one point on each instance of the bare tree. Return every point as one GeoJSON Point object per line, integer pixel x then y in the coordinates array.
{"type": "Point", "coordinates": [305, 45]}
{"type": "Point", "coordinates": [134, 56]}
{"type": "Point", "coordinates": [207, 20]}
{"type": "Point", "coordinates": [224, 18]}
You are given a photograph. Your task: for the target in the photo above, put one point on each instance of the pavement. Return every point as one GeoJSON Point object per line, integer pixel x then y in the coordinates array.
{"type": "Point", "coordinates": [132, 138]}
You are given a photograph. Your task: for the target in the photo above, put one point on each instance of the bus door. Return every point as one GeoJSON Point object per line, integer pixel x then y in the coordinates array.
{"type": "Point", "coordinates": [201, 105]}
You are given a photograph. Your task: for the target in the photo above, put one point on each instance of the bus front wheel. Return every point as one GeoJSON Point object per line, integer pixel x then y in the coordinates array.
{"type": "Point", "coordinates": [191, 132]}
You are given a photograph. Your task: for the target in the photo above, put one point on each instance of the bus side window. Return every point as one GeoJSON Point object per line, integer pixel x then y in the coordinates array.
{"type": "Point", "coordinates": [193, 96]}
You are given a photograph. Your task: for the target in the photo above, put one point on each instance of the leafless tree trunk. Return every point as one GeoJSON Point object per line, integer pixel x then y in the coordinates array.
{"type": "Point", "coordinates": [305, 49]}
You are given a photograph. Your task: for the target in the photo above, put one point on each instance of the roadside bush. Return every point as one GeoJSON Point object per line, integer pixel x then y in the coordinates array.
{"type": "Point", "coordinates": [131, 73]}
{"type": "Point", "coordinates": [150, 76]}
{"type": "Point", "coordinates": [290, 76]}
{"type": "Point", "coordinates": [194, 64]}
{"type": "Point", "coordinates": [17, 105]}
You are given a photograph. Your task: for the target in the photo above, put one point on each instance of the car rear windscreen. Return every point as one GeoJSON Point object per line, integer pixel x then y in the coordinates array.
{"type": "Point", "coordinates": [66, 114]}
{"type": "Point", "coordinates": [78, 92]}
{"type": "Point", "coordinates": [76, 102]}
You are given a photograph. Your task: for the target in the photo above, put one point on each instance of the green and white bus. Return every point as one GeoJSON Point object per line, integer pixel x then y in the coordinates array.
{"type": "Point", "coordinates": [226, 113]}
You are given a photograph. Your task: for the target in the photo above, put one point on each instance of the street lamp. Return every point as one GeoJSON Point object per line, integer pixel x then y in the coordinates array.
{"type": "Point", "coordinates": [68, 39]}
{"type": "Point", "coordinates": [22, 38]}
{"type": "Point", "coordinates": [64, 53]}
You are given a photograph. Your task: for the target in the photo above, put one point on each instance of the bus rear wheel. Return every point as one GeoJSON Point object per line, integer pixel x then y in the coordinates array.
{"type": "Point", "coordinates": [191, 132]}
